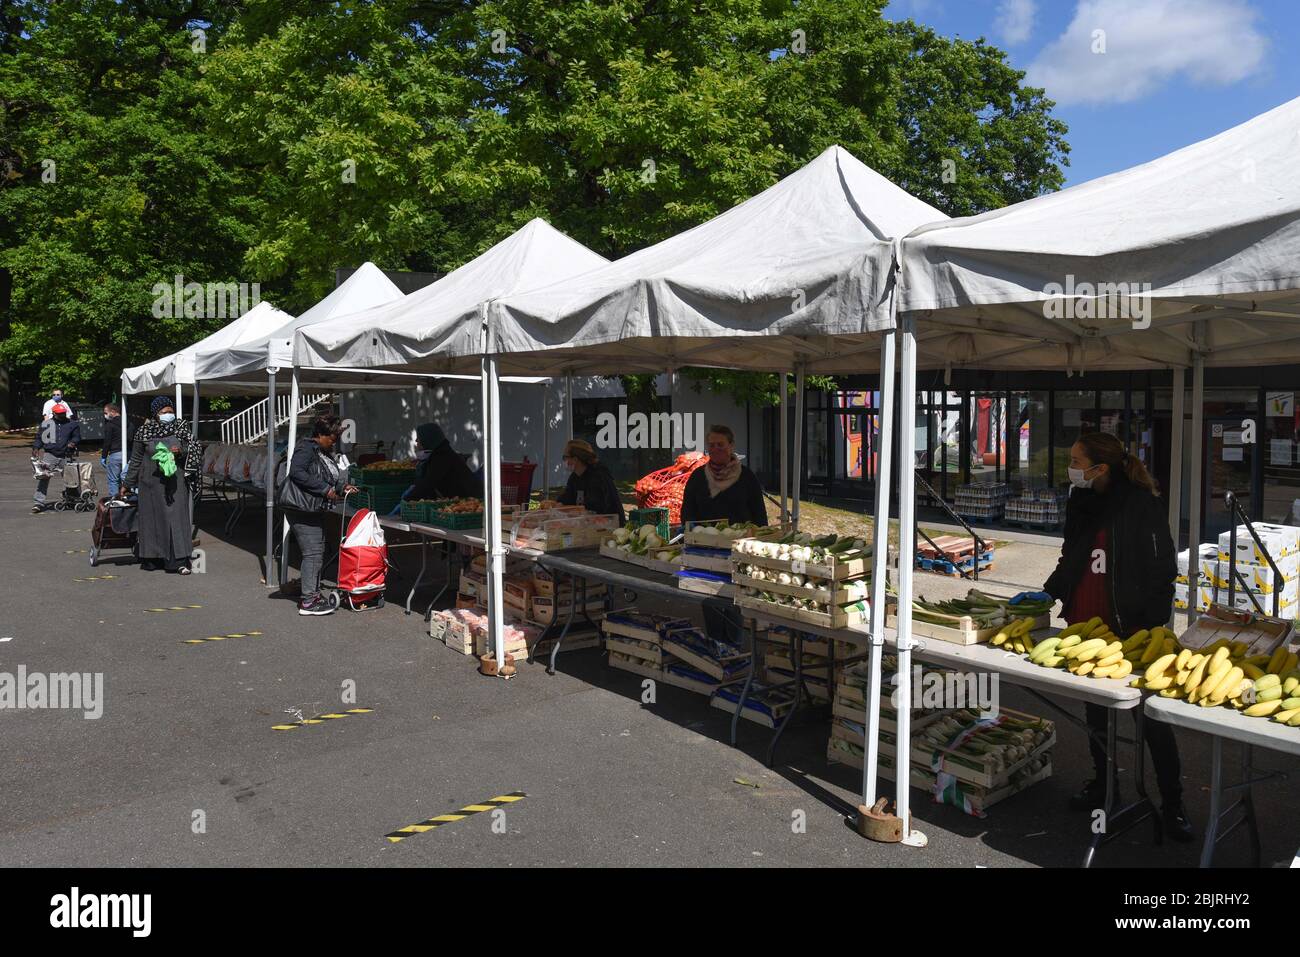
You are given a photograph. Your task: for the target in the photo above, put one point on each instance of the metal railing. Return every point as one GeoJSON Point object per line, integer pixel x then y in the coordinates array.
{"type": "Point", "coordinates": [250, 424]}
{"type": "Point", "coordinates": [929, 490]}
{"type": "Point", "coordinates": [1235, 510]}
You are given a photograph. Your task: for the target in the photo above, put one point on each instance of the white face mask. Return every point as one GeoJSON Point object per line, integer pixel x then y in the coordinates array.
{"type": "Point", "coordinates": [167, 417]}
{"type": "Point", "coordinates": [1077, 479]}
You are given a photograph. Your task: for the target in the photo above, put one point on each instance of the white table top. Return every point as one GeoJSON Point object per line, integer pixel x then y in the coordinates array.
{"type": "Point", "coordinates": [1225, 723]}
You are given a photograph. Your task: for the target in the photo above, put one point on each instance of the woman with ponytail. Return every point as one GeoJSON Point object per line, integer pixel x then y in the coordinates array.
{"type": "Point", "coordinates": [1117, 563]}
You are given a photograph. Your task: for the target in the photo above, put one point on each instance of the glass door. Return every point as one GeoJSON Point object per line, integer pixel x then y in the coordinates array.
{"type": "Point", "coordinates": [1229, 467]}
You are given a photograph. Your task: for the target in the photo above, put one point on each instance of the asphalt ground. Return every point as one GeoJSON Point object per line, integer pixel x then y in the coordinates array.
{"type": "Point", "coordinates": [186, 738]}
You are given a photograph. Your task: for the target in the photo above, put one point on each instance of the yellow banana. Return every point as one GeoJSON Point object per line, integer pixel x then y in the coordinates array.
{"type": "Point", "coordinates": [1275, 662]}
{"type": "Point", "coordinates": [1136, 640]}
{"type": "Point", "coordinates": [1158, 667]}
{"type": "Point", "coordinates": [1262, 709]}
{"type": "Point", "coordinates": [1158, 684]}
{"type": "Point", "coordinates": [1226, 688]}
{"type": "Point", "coordinates": [1084, 668]}
{"type": "Point", "coordinates": [1123, 669]}
{"type": "Point", "coordinates": [1153, 649]}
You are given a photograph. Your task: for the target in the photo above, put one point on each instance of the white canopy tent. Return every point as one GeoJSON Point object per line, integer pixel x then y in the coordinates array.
{"type": "Point", "coordinates": [799, 276]}
{"type": "Point", "coordinates": [237, 367]}
{"type": "Point", "coordinates": [177, 369]}
{"type": "Point", "coordinates": [1190, 259]}
{"type": "Point", "coordinates": [412, 333]}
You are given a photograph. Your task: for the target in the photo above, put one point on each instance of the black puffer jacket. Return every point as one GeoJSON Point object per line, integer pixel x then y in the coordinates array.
{"type": "Point", "coordinates": [310, 476]}
{"type": "Point", "coordinates": [1140, 561]}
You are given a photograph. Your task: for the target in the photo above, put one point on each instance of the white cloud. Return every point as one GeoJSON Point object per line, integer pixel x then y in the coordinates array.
{"type": "Point", "coordinates": [1147, 44]}
{"type": "Point", "coordinates": [1016, 20]}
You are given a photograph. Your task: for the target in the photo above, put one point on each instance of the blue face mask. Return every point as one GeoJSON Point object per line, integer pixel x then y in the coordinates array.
{"type": "Point", "coordinates": [167, 417]}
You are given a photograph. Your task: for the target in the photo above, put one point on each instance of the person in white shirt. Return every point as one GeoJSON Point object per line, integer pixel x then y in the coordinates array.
{"type": "Point", "coordinates": [56, 399]}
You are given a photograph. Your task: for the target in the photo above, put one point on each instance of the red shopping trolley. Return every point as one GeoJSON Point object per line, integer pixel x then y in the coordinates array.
{"type": "Point", "coordinates": [363, 563]}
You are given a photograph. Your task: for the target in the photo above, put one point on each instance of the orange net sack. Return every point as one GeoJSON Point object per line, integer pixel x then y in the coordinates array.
{"type": "Point", "coordinates": [665, 487]}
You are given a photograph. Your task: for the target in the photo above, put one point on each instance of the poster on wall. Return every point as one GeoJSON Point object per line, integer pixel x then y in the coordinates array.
{"type": "Point", "coordinates": [1279, 452]}
{"type": "Point", "coordinates": [1234, 454]}
{"type": "Point", "coordinates": [1279, 404]}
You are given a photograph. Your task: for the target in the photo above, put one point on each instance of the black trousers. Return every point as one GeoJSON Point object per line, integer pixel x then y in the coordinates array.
{"type": "Point", "coordinates": [1161, 745]}
{"type": "Point", "coordinates": [723, 621]}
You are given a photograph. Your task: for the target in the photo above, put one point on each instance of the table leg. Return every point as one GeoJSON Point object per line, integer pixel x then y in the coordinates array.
{"type": "Point", "coordinates": [573, 606]}
{"type": "Point", "coordinates": [451, 574]}
{"type": "Point", "coordinates": [424, 560]}
{"type": "Point", "coordinates": [1109, 806]}
{"type": "Point", "coordinates": [796, 654]}
{"type": "Point", "coordinates": [1139, 771]}
{"type": "Point", "coordinates": [1248, 803]}
{"type": "Point", "coordinates": [749, 678]}
{"type": "Point", "coordinates": [1216, 801]}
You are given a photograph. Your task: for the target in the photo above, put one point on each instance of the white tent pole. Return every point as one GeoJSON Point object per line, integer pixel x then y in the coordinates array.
{"type": "Point", "coordinates": [1175, 490]}
{"type": "Point", "coordinates": [672, 402]}
{"type": "Point", "coordinates": [906, 549]}
{"type": "Point", "coordinates": [879, 564]}
{"type": "Point", "coordinates": [797, 473]}
{"type": "Point", "coordinates": [568, 403]}
{"type": "Point", "coordinates": [194, 413]}
{"type": "Point", "coordinates": [270, 475]}
{"type": "Point", "coordinates": [546, 436]}
{"type": "Point", "coordinates": [342, 413]}
{"type": "Point", "coordinates": [126, 453]}
{"type": "Point", "coordinates": [180, 413]}
{"type": "Point", "coordinates": [194, 433]}
{"type": "Point", "coordinates": [1195, 490]}
{"type": "Point", "coordinates": [492, 514]}
{"type": "Point", "coordinates": [293, 439]}
{"type": "Point", "coordinates": [785, 453]}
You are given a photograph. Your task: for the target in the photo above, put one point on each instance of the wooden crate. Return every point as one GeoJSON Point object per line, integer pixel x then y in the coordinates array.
{"type": "Point", "coordinates": [706, 559]}
{"type": "Point", "coordinates": [840, 595]}
{"type": "Point", "coordinates": [705, 586]}
{"type": "Point", "coordinates": [837, 618]}
{"type": "Point", "coordinates": [645, 670]}
{"type": "Point", "coordinates": [980, 799]}
{"type": "Point", "coordinates": [692, 535]}
{"type": "Point", "coordinates": [548, 610]}
{"type": "Point", "coordinates": [965, 768]}
{"type": "Point", "coordinates": [649, 628]}
{"type": "Point", "coordinates": [659, 560]}
{"type": "Point", "coordinates": [856, 711]}
{"type": "Point", "coordinates": [730, 667]}
{"type": "Point", "coordinates": [775, 702]}
{"type": "Point", "coordinates": [962, 631]}
{"type": "Point", "coordinates": [649, 652]}
{"type": "Point", "coordinates": [835, 571]}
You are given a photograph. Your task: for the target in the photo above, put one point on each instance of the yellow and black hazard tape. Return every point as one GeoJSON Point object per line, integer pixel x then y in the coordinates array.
{"type": "Point", "coordinates": [174, 608]}
{"type": "Point", "coordinates": [236, 634]}
{"type": "Point", "coordinates": [76, 551]}
{"type": "Point", "coordinates": [96, 578]}
{"type": "Point", "coordinates": [451, 817]}
{"type": "Point", "coordinates": [321, 718]}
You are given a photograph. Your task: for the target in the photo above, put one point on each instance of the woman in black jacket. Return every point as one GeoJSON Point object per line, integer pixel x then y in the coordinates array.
{"type": "Point", "coordinates": [313, 486]}
{"type": "Point", "coordinates": [1117, 563]}
{"type": "Point", "coordinates": [591, 485]}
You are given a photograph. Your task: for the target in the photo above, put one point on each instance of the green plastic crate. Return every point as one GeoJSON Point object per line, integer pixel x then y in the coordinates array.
{"type": "Point", "coordinates": [383, 499]}
{"type": "Point", "coordinates": [658, 517]}
{"type": "Point", "coordinates": [456, 521]}
{"type": "Point", "coordinates": [415, 511]}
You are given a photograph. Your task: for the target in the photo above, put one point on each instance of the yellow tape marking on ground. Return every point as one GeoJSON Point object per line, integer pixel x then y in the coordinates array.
{"type": "Point", "coordinates": [237, 634]}
{"type": "Point", "coordinates": [402, 833]}
{"type": "Point", "coordinates": [321, 718]}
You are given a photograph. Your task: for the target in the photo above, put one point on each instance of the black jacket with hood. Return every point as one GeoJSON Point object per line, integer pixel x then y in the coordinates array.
{"type": "Point", "coordinates": [1140, 561]}
{"type": "Point", "coordinates": [310, 475]}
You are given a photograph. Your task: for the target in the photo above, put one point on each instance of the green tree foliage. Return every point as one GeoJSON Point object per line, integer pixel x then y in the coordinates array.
{"type": "Point", "coordinates": [312, 135]}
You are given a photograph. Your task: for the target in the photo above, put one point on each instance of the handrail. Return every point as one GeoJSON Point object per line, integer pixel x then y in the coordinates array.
{"type": "Point", "coordinates": [1234, 507]}
{"type": "Point", "coordinates": [249, 425]}
{"type": "Point", "coordinates": [916, 528]}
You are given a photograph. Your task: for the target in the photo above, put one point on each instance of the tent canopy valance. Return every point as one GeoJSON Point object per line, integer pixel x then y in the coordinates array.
{"type": "Point", "coordinates": [1206, 238]}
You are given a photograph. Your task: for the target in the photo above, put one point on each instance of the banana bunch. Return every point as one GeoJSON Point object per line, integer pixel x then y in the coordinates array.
{"type": "Point", "coordinates": [1219, 674]}
{"type": "Point", "coordinates": [1088, 648]}
{"type": "Point", "coordinates": [1014, 636]}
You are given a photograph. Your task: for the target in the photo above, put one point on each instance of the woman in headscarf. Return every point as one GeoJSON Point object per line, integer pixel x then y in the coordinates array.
{"type": "Point", "coordinates": [440, 471]}
{"type": "Point", "coordinates": [159, 451]}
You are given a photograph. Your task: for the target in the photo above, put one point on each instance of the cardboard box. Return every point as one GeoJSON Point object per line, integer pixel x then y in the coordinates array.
{"type": "Point", "coordinates": [1242, 601]}
{"type": "Point", "coordinates": [1280, 540]}
{"type": "Point", "coordinates": [1261, 578]}
{"type": "Point", "coordinates": [1208, 552]}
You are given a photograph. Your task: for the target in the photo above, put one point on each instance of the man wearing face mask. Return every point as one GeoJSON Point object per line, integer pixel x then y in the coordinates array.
{"type": "Point", "coordinates": [159, 451]}
{"type": "Point", "coordinates": [56, 399]}
{"type": "Point", "coordinates": [1117, 563]}
{"type": "Point", "coordinates": [56, 440]}
{"type": "Point", "coordinates": [110, 455]}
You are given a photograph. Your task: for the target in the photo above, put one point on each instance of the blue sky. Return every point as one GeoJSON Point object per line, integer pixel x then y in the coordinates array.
{"type": "Point", "coordinates": [1172, 71]}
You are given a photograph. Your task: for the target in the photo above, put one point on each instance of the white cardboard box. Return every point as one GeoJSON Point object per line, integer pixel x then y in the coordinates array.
{"type": "Point", "coordinates": [1280, 540]}
{"type": "Point", "coordinates": [1261, 578]}
{"type": "Point", "coordinates": [1208, 552]}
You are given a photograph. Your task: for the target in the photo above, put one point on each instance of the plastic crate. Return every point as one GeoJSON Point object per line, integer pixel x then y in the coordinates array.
{"type": "Point", "coordinates": [658, 517]}
{"type": "Point", "coordinates": [383, 498]}
{"type": "Point", "coordinates": [456, 521]}
{"type": "Point", "coordinates": [517, 477]}
{"type": "Point", "coordinates": [416, 511]}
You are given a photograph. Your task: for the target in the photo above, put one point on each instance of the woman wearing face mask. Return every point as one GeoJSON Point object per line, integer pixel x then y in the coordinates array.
{"type": "Point", "coordinates": [314, 486]}
{"type": "Point", "coordinates": [590, 484]}
{"type": "Point", "coordinates": [440, 471]}
{"type": "Point", "coordinates": [56, 440]}
{"type": "Point", "coordinates": [1117, 563]}
{"type": "Point", "coordinates": [159, 451]}
{"type": "Point", "coordinates": [723, 488]}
